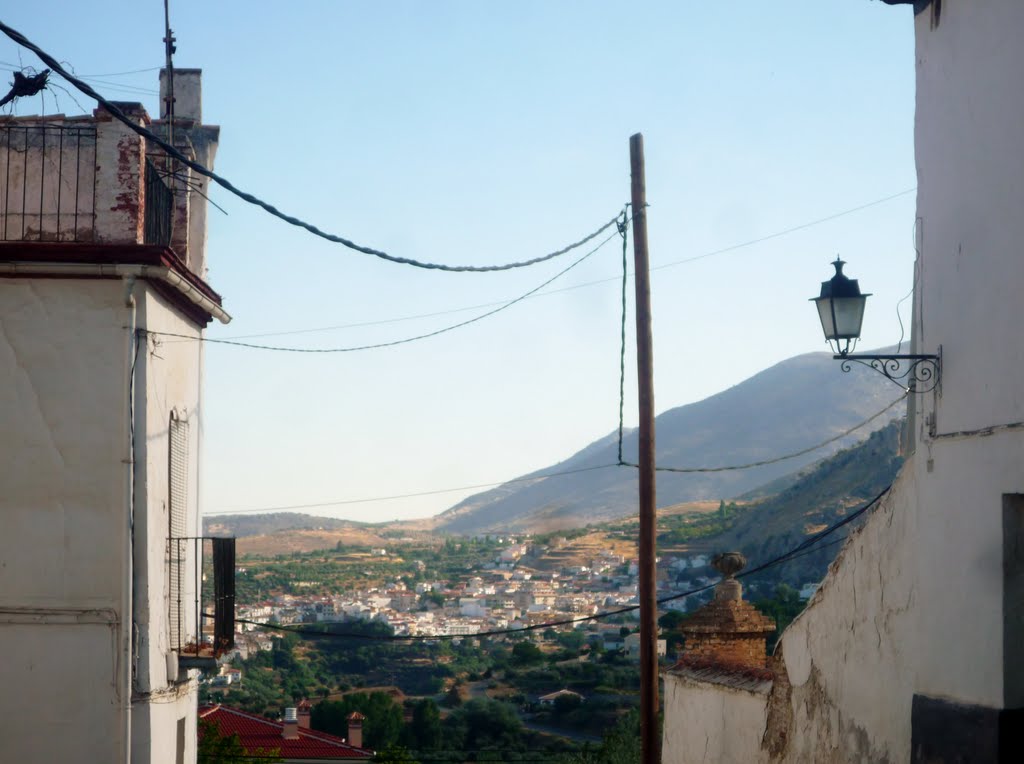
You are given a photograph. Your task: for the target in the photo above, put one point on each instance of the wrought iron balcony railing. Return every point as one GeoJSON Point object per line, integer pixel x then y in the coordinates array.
{"type": "Point", "coordinates": [201, 570]}
{"type": "Point", "coordinates": [47, 182]}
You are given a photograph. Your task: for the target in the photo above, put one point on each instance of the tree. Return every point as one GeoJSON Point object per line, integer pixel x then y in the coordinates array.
{"type": "Point", "coordinates": [571, 640]}
{"type": "Point", "coordinates": [620, 746]}
{"type": "Point", "coordinates": [453, 698]}
{"type": "Point", "coordinates": [671, 620]}
{"type": "Point", "coordinates": [395, 755]}
{"type": "Point", "coordinates": [383, 724]}
{"type": "Point", "coordinates": [483, 724]}
{"type": "Point", "coordinates": [566, 703]}
{"type": "Point", "coordinates": [526, 654]}
{"type": "Point", "coordinates": [424, 731]}
{"type": "Point", "coordinates": [783, 607]}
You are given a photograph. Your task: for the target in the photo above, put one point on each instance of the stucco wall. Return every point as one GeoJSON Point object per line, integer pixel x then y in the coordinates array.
{"type": "Point", "coordinates": [64, 573]}
{"type": "Point", "coordinates": [845, 668]}
{"type": "Point", "coordinates": [967, 137]}
{"type": "Point", "coordinates": [711, 723]}
{"type": "Point", "coordinates": [168, 372]}
{"type": "Point", "coordinates": [848, 662]}
{"type": "Point", "coordinates": [63, 424]}
{"type": "Point", "coordinates": [914, 605]}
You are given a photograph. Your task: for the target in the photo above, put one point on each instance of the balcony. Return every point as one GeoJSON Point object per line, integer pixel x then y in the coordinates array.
{"type": "Point", "coordinates": [201, 571]}
{"type": "Point", "coordinates": [47, 182]}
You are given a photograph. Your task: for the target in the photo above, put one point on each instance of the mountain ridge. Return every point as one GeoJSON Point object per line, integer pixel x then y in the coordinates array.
{"type": "Point", "coordinates": [785, 408]}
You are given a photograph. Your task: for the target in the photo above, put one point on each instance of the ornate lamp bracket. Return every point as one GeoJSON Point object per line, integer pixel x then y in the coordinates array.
{"type": "Point", "coordinates": [913, 373]}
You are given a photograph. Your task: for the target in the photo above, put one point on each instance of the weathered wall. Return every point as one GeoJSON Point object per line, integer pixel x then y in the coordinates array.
{"type": "Point", "coordinates": [914, 605]}
{"type": "Point", "coordinates": [168, 371]}
{"type": "Point", "coordinates": [970, 274]}
{"type": "Point", "coordinates": [845, 668]}
{"type": "Point", "coordinates": [711, 723]}
{"type": "Point", "coordinates": [849, 660]}
{"type": "Point", "coordinates": [63, 573]}
{"type": "Point", "coordinates": [47, 180]}
{"type": "Point", "coordinates": [64, 577]}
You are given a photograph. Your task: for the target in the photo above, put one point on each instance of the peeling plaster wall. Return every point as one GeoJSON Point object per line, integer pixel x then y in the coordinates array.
{"type": "Point", "coordinates": [168, 373]}
{"type": "Point", "coordinates": [850, 657]}
{"type": "Point", "coordinates": [845, 668]}
{"type": "Point", "coordinates": [64, 368]}
{"type": "Point", "coordinates": [914, 603]}
{"type": "Point", "coordinates": [63, 419]}
{"type": "Point", "coordinates": [120, 165]}
{"type": "Point", "coordinates": [47, 180]}
{"type": "Point", "coordinates": [711, 723]}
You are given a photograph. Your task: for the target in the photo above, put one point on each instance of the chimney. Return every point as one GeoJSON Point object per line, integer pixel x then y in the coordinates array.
{"type": "Point", "coordinates": [290, 729]}
{"type": "Point", "coordinates": [188, 94]}
{"type": "Point", "coordinates": [355, 729]}
{"type": "Point", "coordinates": [728, 631]}
{"type": "Point", "coordinates": [305, 710]}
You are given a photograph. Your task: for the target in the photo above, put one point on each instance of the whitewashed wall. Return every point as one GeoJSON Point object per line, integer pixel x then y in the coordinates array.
{"type": "Point", "coordinates": [914, 603]}
{"type": "Point", "coordinates": [63, 567]}
{"type": "Point", "coordinates": [847, 666]}
{"type": "Point", "coordinates": [711, 724]}
{"type": "Point", "coordinates": [970, 108]}
{"type": "Point", "coordinates": [64, 573]}
{"type": "Point", "coordinates": [168, 371]}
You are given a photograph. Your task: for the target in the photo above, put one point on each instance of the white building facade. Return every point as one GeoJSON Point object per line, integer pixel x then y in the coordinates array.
{"type": "Point", "coordinates": [100, 434]}
{"type": "Point", "coordinates": [912, 649]}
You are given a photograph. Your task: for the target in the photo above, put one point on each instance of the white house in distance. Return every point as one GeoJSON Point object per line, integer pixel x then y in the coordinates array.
{"type": "Point", "coordinates": [100, 433]}
{"type": "Point", "coordinates": [912, 649]}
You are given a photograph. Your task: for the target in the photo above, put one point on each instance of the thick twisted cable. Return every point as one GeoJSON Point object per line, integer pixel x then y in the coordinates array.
{"type": "Point", "coordinates": [172, 152]}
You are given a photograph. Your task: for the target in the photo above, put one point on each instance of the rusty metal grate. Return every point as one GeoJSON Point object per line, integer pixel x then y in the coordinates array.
{"type": "Point", "coordinates": [159, 214]}
{"type": "Point", "coordinates": [197, 556]}
{"type": "Point", "coordinates": [47, 182]}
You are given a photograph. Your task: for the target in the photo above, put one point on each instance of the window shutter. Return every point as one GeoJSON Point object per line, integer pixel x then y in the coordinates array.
{"type": "Point", "coordinates": [178, 510]}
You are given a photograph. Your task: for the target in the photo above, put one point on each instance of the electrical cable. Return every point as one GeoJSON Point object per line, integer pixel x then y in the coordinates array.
{"type": "Point", "coordinates": [525, 479]}
{"type": "Point", "coordinates": [777, 459]}
{"type": "Point", "coordinates": [792, 554]}
{"type": "Point", "coordinates": [121, 74]}
{"type": "Point", "coordinates": [530, 478]}
{"type": "Point", "coordinates": [392, 343]}
{"type": "Point", "coordinates": [172, 152]}
{"type": "Point", "coordinates": [560, 290]}
{"type": "Point", "coordinates": [127, 89]}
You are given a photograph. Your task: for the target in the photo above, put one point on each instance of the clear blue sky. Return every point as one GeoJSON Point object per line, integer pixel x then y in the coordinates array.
{"type": "Point", "coordinates": [481, 132]}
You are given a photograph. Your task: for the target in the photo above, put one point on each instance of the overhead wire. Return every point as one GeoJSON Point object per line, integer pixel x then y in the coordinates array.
{"type": "Point", "coordinates": [116, 86]}
{"type": "Point", "coordinates": [405, 340]}
{"type": "Point", "coordinates": [723, 468]}
{"type": "Point", "coordinates": [571, 287]}
{"type": "Point", "coordinates": [342, 502]}
{"type": "Point", "coordinates": [535, 477]}
{"type": "Point", "coordinates": [784, 457]}
{"type": "Point", "coordinates": [178, 156]}
{"type": "Point", "coordinates": [797, 551]}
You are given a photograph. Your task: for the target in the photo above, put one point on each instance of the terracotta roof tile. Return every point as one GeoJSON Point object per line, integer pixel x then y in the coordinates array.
{"type": "Point", "coordinates": [259, 732]}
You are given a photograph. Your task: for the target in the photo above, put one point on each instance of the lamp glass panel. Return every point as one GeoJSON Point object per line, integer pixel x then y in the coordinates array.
{"type": "Point", "coordinates": [849, 314]}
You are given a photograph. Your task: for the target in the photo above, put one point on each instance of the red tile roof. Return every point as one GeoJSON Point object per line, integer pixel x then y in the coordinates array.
{"type": "Point", "coordinates": [259, 732]}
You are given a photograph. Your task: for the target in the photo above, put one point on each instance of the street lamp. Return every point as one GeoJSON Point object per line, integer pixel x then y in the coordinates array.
{"type": "Point", "coordinates": [841, 312]}
{"type": "Point", "coordinates": [841, 309]}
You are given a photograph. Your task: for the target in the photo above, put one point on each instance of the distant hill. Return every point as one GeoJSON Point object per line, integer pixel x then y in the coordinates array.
{"type": "Point", "coordinates": [820, 497]}
{"type": "Point", "coordinates": [766, 527]}
{"type": "Point", "coordinates": [790, 406]}
{"type": "Point", "coordinates": [262, 524]}
{"type": "Point", "coordinates": [287, 532]}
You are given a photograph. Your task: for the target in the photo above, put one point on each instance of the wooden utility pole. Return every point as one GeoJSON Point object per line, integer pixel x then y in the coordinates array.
{"type": "Point", "coordinates": [650, 742]}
